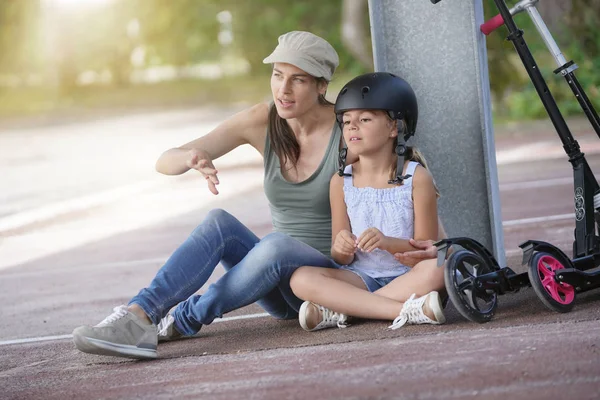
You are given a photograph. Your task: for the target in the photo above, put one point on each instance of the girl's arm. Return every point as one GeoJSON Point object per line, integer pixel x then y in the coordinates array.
{"type": "Point", "coordinates": [425, 211]}
{"type": "Point", "coordinates": [343, 243]}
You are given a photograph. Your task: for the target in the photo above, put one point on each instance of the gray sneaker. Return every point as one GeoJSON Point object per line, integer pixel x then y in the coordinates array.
{"type": "Point", "coordinates": [121, 334]}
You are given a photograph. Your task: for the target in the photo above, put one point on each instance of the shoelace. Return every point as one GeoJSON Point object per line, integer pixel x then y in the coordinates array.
{"type": "Point", "coordinates": [118, 313]}
{"type": "Point", "coordinates": [164, 324]}
{"type": "Point", "coordinates": [342, 321]}
{"type": "Point", "coordinates": [330, 317]}
{"type": "Point", "coordinates": [412, 311]}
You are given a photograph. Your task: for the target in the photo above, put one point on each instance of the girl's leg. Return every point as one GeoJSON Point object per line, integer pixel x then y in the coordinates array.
{"type": "Point", "coordinates": [418, 291]}
{"type": "Point", "coordinates": [345, 293]}
{"type": "Point", "coordinates": [219, 238]}
{"type": "Point", "coordinates": [423, 278]}
{"type": "Point", "coordinates": [262, 276]}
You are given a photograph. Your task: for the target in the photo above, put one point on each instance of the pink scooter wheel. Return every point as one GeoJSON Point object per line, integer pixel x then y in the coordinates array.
{"type": "Point", "coordinates": [555, 295]}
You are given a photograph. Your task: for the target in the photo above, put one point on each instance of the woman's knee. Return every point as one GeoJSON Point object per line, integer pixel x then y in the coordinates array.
{"type": "Point", "coordinates": [218, 215]}
{"type": "Point", "coordinates": [276, 247]}
{"type": "Point", "coordinates": [216, 219]}
{"type": "Point", "coordinates": [276, 240]}
{"type": "Point", "coordinates": [270, 257]}
{"type": "Point", "coordinates": [280, 255]}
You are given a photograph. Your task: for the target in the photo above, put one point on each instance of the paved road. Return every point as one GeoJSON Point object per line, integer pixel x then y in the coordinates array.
{"type": "Point", "coordinates": [85, 222]}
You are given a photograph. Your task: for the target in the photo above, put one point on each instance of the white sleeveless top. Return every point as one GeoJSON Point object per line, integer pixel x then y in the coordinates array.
{"type": "Point", "coordinates": [390, 210]}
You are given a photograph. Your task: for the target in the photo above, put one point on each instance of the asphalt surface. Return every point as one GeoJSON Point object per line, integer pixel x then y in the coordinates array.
{"type": "Point", "coordinates": [81, 233]}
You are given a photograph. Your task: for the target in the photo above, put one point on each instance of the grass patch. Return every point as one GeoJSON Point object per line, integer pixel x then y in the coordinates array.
{"type": "Point", "coordinates": [29, 102]}
{"type": "Point", "coordinates": [32, 102]}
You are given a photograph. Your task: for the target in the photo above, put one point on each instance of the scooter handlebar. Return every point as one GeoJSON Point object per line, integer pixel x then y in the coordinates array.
{"type": "Point", "coordinates": [492, 24]}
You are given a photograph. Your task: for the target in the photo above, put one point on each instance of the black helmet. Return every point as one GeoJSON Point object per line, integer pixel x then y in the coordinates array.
{"type": "Point", "coordinates": [380, 91]}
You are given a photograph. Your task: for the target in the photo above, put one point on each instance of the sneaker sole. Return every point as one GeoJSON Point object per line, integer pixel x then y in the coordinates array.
{"type": "Point", "coordinates": [104, 348]}
{"type": "Point", "coordinates": [437, 311]}
{"type": "Point", "coordinates": [302, 316]}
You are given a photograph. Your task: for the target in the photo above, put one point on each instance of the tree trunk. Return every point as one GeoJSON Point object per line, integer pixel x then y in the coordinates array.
{"type": "Point", "coordinates": [354, 36]}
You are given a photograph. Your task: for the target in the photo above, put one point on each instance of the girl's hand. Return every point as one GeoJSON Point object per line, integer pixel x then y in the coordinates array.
{"type": "Point", "coordinates": [345, 243]}
{"type": "Point", "coordinates": [372, 239]}
{"type": "Point", "coordinates": [201, 163]}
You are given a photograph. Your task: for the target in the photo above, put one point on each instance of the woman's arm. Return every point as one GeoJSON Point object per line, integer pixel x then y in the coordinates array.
{"type": "Point", "coordinates": [425, 249]}
{"type": "Point", "coordinates": [343, 243]}
{"type": "Point", "coordinates": [246, 127]}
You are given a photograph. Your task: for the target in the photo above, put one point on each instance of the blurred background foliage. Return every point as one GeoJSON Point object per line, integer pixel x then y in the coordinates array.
{"type": "Point", "coordinates": [575, 25]}
{"type": "Point", "coordinates": [74, 55]}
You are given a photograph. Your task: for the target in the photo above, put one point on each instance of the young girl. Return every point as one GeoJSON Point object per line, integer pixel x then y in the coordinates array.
{"type": "Point", "coordinates": [377, 204]}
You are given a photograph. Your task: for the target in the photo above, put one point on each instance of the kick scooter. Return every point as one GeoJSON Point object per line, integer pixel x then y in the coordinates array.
{"type": "Point", "coordinates": [472, 276]}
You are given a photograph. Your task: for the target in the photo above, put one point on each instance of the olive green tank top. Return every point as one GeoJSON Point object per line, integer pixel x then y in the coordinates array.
{"type": "Point", "coordinates": [302, 209]}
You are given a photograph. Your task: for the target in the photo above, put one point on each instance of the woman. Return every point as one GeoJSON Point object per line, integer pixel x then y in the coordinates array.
{"type": "Point", "coordinates": [299, 139]}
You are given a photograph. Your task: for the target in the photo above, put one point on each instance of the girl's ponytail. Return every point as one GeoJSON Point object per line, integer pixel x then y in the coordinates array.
{"type": "Point", "coordinates": [413, 154]}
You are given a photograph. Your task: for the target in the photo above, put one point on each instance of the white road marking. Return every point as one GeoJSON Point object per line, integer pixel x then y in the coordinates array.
{"type": "Point", "coordinates": [536, 184]}
{"type": "Point", "coordinates": [129, 213]}
{"type": "Point", "coordinates": [34, 340]}
{"type": "Point", "coordinates": [64, 337]}
{"type": "Point", "coordinates": [524, 221]}
{"type": "Point", "coordinates": [46, 212]}
{"type": "Point", "coordinates": [544, 150]}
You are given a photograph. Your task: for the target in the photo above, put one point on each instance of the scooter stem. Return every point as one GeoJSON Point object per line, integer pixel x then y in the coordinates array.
{"type": "Point", "coordinates": [541, 27]}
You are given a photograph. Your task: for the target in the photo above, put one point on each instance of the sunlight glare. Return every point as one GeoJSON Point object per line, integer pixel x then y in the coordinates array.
{"type": "Point", "coordinates": [77, 3]}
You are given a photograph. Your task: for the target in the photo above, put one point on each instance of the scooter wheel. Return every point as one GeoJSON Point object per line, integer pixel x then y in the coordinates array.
{"type": "Point", "coordinates": [470, 299]}
{"type": "Point", "coordinates": [557, 296]}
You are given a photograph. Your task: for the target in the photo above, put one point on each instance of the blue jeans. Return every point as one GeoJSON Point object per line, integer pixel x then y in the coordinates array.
{"type": "Point", "coordinates": [257, 270]}
{"type": "Point", "coordinates": [373, 284]}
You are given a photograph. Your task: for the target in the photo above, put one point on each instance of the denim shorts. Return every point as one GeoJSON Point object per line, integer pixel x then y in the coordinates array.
{"type": "Point", "coordinates": [371, 283]}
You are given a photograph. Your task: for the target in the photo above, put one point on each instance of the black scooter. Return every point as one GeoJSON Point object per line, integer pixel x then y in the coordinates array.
{"type": "Point", "coordinates": [472, 275]}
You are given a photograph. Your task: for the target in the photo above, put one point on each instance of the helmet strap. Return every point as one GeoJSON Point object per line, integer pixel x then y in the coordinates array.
{"type": "Point", "coordinates": [342, 161]}
{"type": "Point", "coordinates": [401, 153]}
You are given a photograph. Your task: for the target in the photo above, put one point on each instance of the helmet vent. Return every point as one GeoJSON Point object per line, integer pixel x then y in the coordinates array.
{"type": "Point", "coordinates": [344, 90]}
{"type": "Point", "coordinates": [365, 90]}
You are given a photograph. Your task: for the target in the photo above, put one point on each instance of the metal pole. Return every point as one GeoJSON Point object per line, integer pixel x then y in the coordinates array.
{"type": "Point", "coordinates": [441, 52]}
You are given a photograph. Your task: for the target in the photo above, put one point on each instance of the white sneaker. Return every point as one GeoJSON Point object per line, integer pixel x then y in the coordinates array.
{"type": "Point", "coordinates": [412, 311]}
{"type": "Point", "coordinates": [313, 317]}
{"type": "Point", "coordinates": [166, 330]}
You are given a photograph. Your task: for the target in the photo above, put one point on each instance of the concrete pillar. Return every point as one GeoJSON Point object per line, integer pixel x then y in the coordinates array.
{"type": "Point", "coordinates": [439, 50]}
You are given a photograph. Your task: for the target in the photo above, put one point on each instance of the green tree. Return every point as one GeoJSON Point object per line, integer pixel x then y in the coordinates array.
{"type": "Point", "coordinates": [19, 37]}
{"type": "Point", "coordinates": [257, 24]}
{"type": "Point", "coordinates": [575, 26]}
